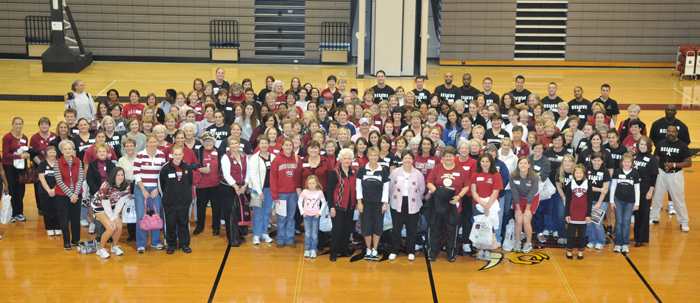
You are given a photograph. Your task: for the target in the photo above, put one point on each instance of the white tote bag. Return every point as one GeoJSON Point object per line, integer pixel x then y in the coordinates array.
{"type": "Point", "coordinates": [326, 223]}
{"type": "Point", "coordinates": [481, 231]}
{"type": "Point", "coordinates": [129, 212]}
{"type": "Point", "coordinates": [547, 189]}
{"type": "Point", "coordinates": [509, 240]}
{"type": "Point", "coordinates": [6, 211]}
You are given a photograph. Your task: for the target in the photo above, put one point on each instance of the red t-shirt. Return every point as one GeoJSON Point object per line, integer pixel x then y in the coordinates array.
{"type": "Point", "coordinates": [275, 149]}
{"type": "Point", "coordinates": [631, 144]}
{"type": "Point", "coordinates": [469, 167]}
{"type": "Point", "coordinates": [486, 183]}
{"type": "Point", "coordinates": [132, 110]}
{"type": "Point", "coordinates": [425, 165]}
{"type": "Point", "coordinates": [455, 178]}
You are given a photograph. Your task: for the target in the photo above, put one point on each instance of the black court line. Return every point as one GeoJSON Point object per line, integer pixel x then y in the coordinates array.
{"type": "Point", "coordinates": [218, 276]}
{"type": "Point", "coordinates": [430, 274]}
{"type": "Point", "coordinates": [641, 277]}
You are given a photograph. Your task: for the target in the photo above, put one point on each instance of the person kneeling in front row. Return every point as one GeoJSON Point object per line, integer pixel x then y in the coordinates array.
{"type": "Point", "coordinates": [175, 184]}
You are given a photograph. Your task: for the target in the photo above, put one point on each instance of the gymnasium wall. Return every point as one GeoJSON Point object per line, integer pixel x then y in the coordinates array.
{"type": "Point", "coordinates": [168, 29]}
{"type": "Point", "coordinates": [597, 30]}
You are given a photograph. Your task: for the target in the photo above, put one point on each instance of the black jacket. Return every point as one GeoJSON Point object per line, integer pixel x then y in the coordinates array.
{"type": "Point", "coordinates": [93, 178]}
{"type": "Point", "coordinates": [176, 194]}
{"type": "Point", "coordinates": [439, 204]}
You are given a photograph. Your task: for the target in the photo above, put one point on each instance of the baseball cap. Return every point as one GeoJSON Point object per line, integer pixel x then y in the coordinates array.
{"type": "Point", "coordinates": [354, 89]}
{"type": "Point", "coordinates": [364, 121]}
{"type": "Point", "coordinates": [327, 95]}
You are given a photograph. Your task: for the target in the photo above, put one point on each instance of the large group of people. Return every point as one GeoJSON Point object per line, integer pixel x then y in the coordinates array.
{"type": "Point", "coordinates": [394, 165]}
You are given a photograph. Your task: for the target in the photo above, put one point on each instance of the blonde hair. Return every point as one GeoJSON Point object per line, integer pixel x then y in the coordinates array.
{"type": "Point", "coordinates": [159, 128]}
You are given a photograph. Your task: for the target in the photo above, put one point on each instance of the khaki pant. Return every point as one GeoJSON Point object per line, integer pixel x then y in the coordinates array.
{"type": "Point", "coordinates": [674, 183]}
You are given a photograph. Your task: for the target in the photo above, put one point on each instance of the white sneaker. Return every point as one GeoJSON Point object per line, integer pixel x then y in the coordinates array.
{"type": "Point", "coordinates": [21, 218]}
{"type": "Point", "coordinates": [671, 210]}
{"type": "Point", "coordinates": [256, 241]}
{"type": "Point", "coordinates": [466, 248]}
{"type": "Point", "coordinates": [599, 246]}
{"type": "Point", "coordinates": [266, 238]}
{"type": "Point", "coordinates": [541, 237]}
{"type": "Point", "coordinates": [159, 246]}
{"type": "Point", "coordinates": [91, 229]}
{"type": "Point", "coordinates": [307, 253]}
{"type": "Point", "coordinates": [368, 254]}
{"type": "Point", "coordinates": [84, 223]}
{"type": "Point", "coordinates": [58, 232]}
{"type": "Point", "coordinates": [625, 248]}
{"type": "Point", "coordinates": [685, 227]}
{"type": "Point", "coordinates": [223, 222]}
{"type": "Point", "coordinates": [555, 234]}
{"type": "Point", "coordinates": [480, 255]}
{"type": "Point", "coordinates": [545, 233]}
{"type": "Point", "coordinates": [411, 257]}
{"type": "Point", "coordinates": [527, 248]}
{"type": "Point", "coordinates": [651, 222]}
{"type": "Point", "coordinates": [617, 248]}
{"type": "Point", "coordinates": [50, 232]}
{"type": "Point", "coordinates": [102, 253]}
{"type": "Point", "coordinates": [590, 245]}
{"type": "Point", "coordinates": [632, 220]}
{"type": "Point", "coordinates": [0, 236]}
{"type": "Point", "coordinates": [375, 255]}
{"type": "Point", "coordinates": [392, 257]}
{"type": "Point", "coordinates": [418, 247]}
{"type": "Point", "coordinates": [313, 254]}
{"type": "Point", "coordinates": [487, 255]}
{"type": "Point", "coordinates": [117, 251]}
{"type": "Point", "coordinates": [517, 247]}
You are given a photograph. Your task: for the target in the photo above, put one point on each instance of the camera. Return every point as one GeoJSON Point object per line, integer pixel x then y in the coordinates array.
{"type": "Point", "coordinates": [70, 95]}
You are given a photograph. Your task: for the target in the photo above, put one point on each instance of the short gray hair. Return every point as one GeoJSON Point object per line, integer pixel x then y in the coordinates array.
{"type": "Point", "coordinates": [346, 151]}
{"type": "Point", "coordinates": [189, 125]}
{"type": "Point", "coordinates": [64, 142]}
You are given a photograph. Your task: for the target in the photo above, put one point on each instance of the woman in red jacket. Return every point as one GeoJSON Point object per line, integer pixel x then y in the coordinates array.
{"type": "Point", "coordinates": [40, 141]}
{"type": "Point", "coordinates": [69, 180]}
{"type": "Point", "coordinates": [283, 191]}
{"type": "Point", "coordinates": [234, 183]}
{"type": "Point", "coordinates": [314, 165]}
{"type": "Point", "coordinates": [341, 201]}
{"type": "Point", "coordinates": [14, 155]}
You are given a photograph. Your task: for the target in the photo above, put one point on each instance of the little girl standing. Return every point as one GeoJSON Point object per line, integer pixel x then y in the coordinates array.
{"type": "Point", "coordinates": [312, 204]}
{"type": "Point", "coordinates": [578, 209]}
{"type": "Point", "coordinates": [624, 198]}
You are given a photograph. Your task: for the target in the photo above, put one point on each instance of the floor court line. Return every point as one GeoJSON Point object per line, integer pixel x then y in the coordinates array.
{"type": "Point", "coordinates": [102, 91]}
{"type": "Point", "coordinates": [300, 273]}
{"type": "Point", "coordinates": [642, 277]}
{"type": "Point", "coordinates": [561, 275]}
{"type": "Point", "coordinates": [218, 275]}
{"type": "Point", "coordinates": [430, 273]}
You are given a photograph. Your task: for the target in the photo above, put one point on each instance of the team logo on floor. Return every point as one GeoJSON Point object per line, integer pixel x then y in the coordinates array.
{"type": "Point", "coordinates": [516, 258]}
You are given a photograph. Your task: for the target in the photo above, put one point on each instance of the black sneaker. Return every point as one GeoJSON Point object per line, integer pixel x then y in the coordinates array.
{"type": "Point", "coordinates": [66, 246]}
{"type": "Point", "coordinates": [431, 259]}
{"type": "Point", "coordinates": [197, 231]}
{"type": "Point", "coordinates": [451, 257]}
{"type": "Point", "coordinates": [186, 249]}
{"type": "Point", "coordinates": [130, 239]}
{"type": "Point", "coordinates": [74, 244]}
{"type": "Point", "coordinates": [216, 232]}
{"type": "Point", "coordinates": [609, 230]}
{"type": "Point", "coordinates": [171, 250]}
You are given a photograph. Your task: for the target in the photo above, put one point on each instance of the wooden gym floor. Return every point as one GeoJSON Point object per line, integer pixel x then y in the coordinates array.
{"type": "Point", "coordinates": [34, 267]}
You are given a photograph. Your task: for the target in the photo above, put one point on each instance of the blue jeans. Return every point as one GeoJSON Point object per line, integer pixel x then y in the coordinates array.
{"type": "Point", "coordinates": [285, 224]}
{"type": "Point", "coordinates": [558, 220]}
{"type": "Point", "coordinates": [623, 221]}
{"type": "Point", "coordinates": [311, 232]}
{"type": "Point", "coordinates": [153, 204]}
{"type": "Point", "coordinates": [261, 216]}
{"type": "Point", "coordinates": [543, 210]}
{"type": "Point", "coordinates": [506, 204]}
{"type": "Point", "coordinates": [596, 232]}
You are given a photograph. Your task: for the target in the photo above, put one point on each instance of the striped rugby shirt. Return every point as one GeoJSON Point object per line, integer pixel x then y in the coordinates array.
{"type": "Point", "coordinates": [146, 169]}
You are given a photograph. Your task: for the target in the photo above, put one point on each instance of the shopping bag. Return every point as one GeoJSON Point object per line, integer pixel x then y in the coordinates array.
{"type": "Point", "coordinates": [509, 240]}
{"type": "Point", "coordinates": [326, 223]}
{"type": "Point", "coordinates": [388, 223]}
{"type": "Point", "coordinates": [547, 189]}
{"type": "Point", "coordinates": [6, 211]}
{"type": "Point", "coordinates": [88, 247]}
{"type": "Point", "coordinates": [244, 211]}
{"type": "Point", "coordinates": [129, 212]}
{"type": "Point", "coordinates": [255, 201]}
{"type": "Point", "coordinates": [481, 231]}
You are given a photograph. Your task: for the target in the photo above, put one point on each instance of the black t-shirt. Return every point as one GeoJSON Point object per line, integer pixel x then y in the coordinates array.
{"type": "Point", "coordinates": [504, 115]}
{"type": "Point", "coordinates": [448, 95]}
{"type": "Point", "coordinates": [585, 157]}
{"type": "Point", "coordinates": [478, 120]}
{"type": "Point", "coordinates": [520, 97]}
{"type": "Point", "coordinates": [468, 94]}
{"type": "Point", "coordinates": [47, 170]}
{"type": "Point", "coordinates": [421, 96]}
{"type": "Point", "coordinates": [382, 93]}
{"type": "Point", "coordinates": [495, 139]}
{"type": "Point", "coordinates": [220, 133]}
{"type": "Point", "coordinates": [81, 146]}
{"type": "Point", "coordinates": [115, 142]}
{"type": "Point", "coordinates": [598, 178]}
{"type": "Point", "coordinates": [582, 145]}
{"type": "Point", "coordinates": [229, 114]}
{"type": "Point", "coordinates": [611, 108]}
{"type": "Point", "coordinates": [625, 184]}
{"type": "Point", "coordinates": [391, 159]}
{"type": "Point", "coordinates": [582, 110]}
{"type": "Point", "coordinates": [494, 98]}
{"type": "Point", "coordinates": [264, 92]}
{"type": "Point", "coordinates": [372, 182]}
{"type": "Point", "coordinates": [555, 159]}
{"type": "Point", "coordinates": [672, 152]}
{"type": "Point", "coordinates": [616, 153]}
{"type": "Point", "coordinates": [225, 85]}
{"type": "Point", "coordinates": [647, 167]}
{"type": "Point", "coordinates": [552, 105]}
{"type": "Point", "coordinates": [268, 163]}
{"type": "Point", "coordinates": [659, 128]}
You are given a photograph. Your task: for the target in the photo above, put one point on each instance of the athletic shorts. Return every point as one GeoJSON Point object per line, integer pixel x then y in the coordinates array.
{"type": "Point", "coordinates": [371, 219]}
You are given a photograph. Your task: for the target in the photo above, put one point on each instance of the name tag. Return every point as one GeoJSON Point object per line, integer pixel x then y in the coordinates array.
{"type": "Point", "coordinates": [479, 179]}
{"type": "Point", "coordinates": [355, 164]}
{"type": "Point", "coordinates": [115, 138]}
{"type": "Point", "coordinates": [306, 165]}
{"type": "Point", "coordinates": [646, 159]}
{"type": "Point", "coordinates": [276, 151]}
{"type": "Point", "coordinates": [91, 140]}
{"type": "Point", "coordinates": [378, 122]}
{"type": "Point", "coordinates": [431, 161]}
{"type": "Point", "coordinates": [384, 163]}
{"type": "Point", "coordinates": [229, 108]}
{"type": "Point", "coordinates": [466, 167]}
{"type": "Point", "coordinates": [500, 136]}
{"type": "Point", "coordinates": [267, 163]}
{"type": "Point", "coordinates": [22, 141]}
{"type": "Point", "coordinates": [172, 175]}
{"type": "Point", "coordinates": [537, 168]}
{"type": "Point", "coordinates": [622, 176]}
{"type": "Point", "coordinates": [214, 153]}
{"type": "Point", "coordinates": [455, 174]}
{"type": "Point", "coordinates": [516, 182]}
{"type": "Point", "coordinates": [235, 162]}
{"type": "Point", "coordinates": [600, 173]}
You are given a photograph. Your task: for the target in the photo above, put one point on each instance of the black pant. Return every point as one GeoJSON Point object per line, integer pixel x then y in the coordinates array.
{"type": "Point", "coordinates": [466, 217]}
{"type": "Point", "coordinates": [343, 226]}
{"type": "Point", "coordinates": [641, 216]}
{"type": "Point", "coordinates": [16, 189]}
{"type": "Point", "coordinates": [37, 188]}
{"type": "Point", "coordinates": [131, 227]}
{"type": "Point", "coordinates": [398, 220]}
{"type": "Point", "coordinates": [205, 195]}
{"type": "Point", "coordinates": [229, 207]}
{"type": "Point", "coordinates": [50, 209]}
{"type": "Point", "coordinates": [435, 235]}
{"type": "Point", "coordinates": [571, 230]}
{"type": "Point", "coordinates": [177, 226]}
{"type": "Point", "coordinates": [69, 215]}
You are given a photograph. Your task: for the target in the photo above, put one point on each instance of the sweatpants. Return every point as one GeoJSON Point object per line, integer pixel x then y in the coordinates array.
{"type": "Point", "coordinates": [177, 226]}
{"type": "Point", "coordinates": [205, 195]}
{"type": "Point", "coordinates": [674, 183]}
{"type": "Point", "coordinates": [435, 235]}
{"type": "Point", "coordinates": [571, 231]}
